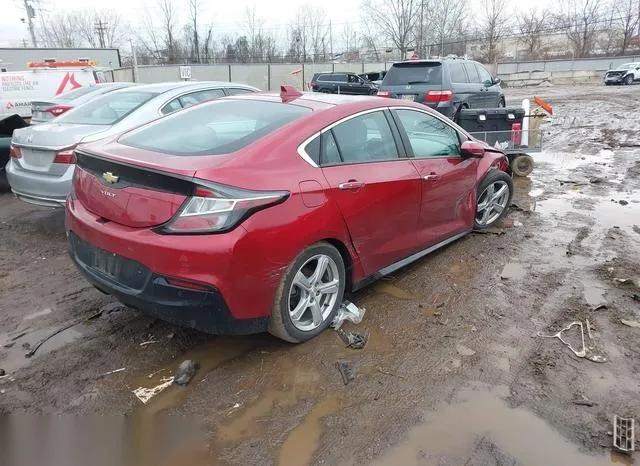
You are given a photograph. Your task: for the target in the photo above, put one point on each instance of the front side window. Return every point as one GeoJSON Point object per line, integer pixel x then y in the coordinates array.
{"type": "Point", "coordinates": [217, 127]}
{"type": "Point", "coordinates": [353, 78]}
{"type": "Point", "coordinates": [485, 77]}
{"type": "Point", "coordinates": [366, 138]}
{"type": "Point", "coordinates": [107, 109]}
{"type": "Point", "coordinates": [429, 136]}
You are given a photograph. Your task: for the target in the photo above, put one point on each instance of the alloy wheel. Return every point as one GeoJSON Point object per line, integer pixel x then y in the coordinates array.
{"type": "Point", "coordinates": [492, 202]}
{"type": "Point", "coordinates": [313, 292]}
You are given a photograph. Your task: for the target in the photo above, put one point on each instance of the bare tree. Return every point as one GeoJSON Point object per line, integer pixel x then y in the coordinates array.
{"type": "Point", "coordinates": [370, 40]}
{"type": "Point", "coordinates": [580, 18]}
{"type": "Point", "coordinates": [168, 22]}
{"type": "Point", "coordinates": [395, 19]}
{"type": "Point", "coordinates": [494, 27]}
{"type": "Point", "coordinates": [445, 19]}
{"type": "Point", "coordinates": [60, 30]}
{"type": "Point", "coordinates": [626, 23]}
{"type": "Point", "coordinates": [307, 33]}
{"type": "Point", "coordinates": [349, 37]}
{"type": "Point", "coordinates": [253, 26]}
{"type": "Point", "coordinates": [195, 8]}
{"type": "Point", "coordinates": [531, 25]}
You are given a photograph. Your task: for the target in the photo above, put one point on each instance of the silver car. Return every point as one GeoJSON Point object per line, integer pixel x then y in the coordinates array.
{"type": "Point", "coordinates": [46, 110]}
{"type": "Point", "coordinates": [42, 160]}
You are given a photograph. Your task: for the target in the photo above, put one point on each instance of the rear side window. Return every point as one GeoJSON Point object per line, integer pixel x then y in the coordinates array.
{"type": "Point", "coordinates": [339, 77]}
{"type": "Point", "coordinates": [324, 77]}
{"type": "Point", "coordinates": [472, 72]}
{"type": "Point", "coordinates": [458, 75]}
{"type": "Point", "coordinates": [171, 107]}
{"type": "Point", "coordinates": [68, 96]}
{"type": "Point", "coordinates": [238, 90]}
{"type": "Point", "coordinates": [200, 96]}
{"type": "Point", "coordinates": [367, 138]}
{"type": "Point", "coordinates": [402, 74]}
{"type": "Point", "coordinates": [218, 127]}
{"type": "Point", "coordinates": [107, 109]}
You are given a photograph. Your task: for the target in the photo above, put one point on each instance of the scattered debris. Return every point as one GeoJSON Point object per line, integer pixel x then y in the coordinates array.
{"type": "Point", "coordinates": [112, 307]}
{"type": "Point", "coordinates": [596, 180]}
{"type": "Point", "coordinates": [353, 340]}
{"type": "Point", "coordinates": [623, 281]}
{"type": "Point", "coordinates": [512, 270]}
{"type": "Point", "coordinates": [348, 311]}
{"type": "Point", "coordinates": [347, 371]}
{"type": "Point", "coordinates": [10, 345]}
{"type": "Point", "coordinates": [630, 323]}
{"type": "Point", "coordinates": [145, 394]}
{"type": "Point", "coordinates": [591, 354]}
{"type": "Point", "coordinates": [464, 350]}
{"type": "Point", "coordinates": [528, 235]}
{"type": "Point", "coordinates": [517, 223]}
{"type": "Point", "coordinates": [636, 297]}
{"type": "Point", "coordinates": [115, 371]}
{"type": "Point", "coordinates": [600, 307]}
{"type": "Point", "coordinates": [584, 402]}
{"type": "Point", "coordinates": [623, 202]}
{"type": "Point", "coordinates": [35, 348]}
{"type": "Point", "coordinates": [490, 231]}
{"type": "Point", "coordinates": [573, 182]}
{"type": "Point", "coordinates": [636, 228]}
{"type": "Point", "coordinates": [623, 434]}
{"type": "Point", "coordinates": [150, 342]}
{"type": "Point", "coordinates": [185, 372]}
{"type": "Point", "coordinates": [171, 336]}
{"type": "Point", "coordinates": [18, 336]}
{"type": "Point", "coordinates": [2, 372]}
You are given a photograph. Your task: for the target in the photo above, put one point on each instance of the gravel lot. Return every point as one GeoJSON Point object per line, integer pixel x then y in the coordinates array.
{"type": "Point", "coordinates": [454, 372]}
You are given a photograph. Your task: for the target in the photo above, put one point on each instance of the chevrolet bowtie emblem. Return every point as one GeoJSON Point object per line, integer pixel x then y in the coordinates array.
{"type": "Point", "coordinates": [110, 177]}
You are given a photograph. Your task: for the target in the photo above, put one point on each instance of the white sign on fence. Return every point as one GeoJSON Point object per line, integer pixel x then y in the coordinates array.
{"type": "Point", "coordinates": [185, 72]}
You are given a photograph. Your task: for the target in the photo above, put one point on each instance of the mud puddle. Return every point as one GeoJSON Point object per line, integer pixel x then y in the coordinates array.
{"type": "Point", "coordinates": [480, 428]}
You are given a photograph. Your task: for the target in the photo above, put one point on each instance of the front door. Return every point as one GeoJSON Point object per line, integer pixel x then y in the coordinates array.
{"type": "Point", "coordinates": [491, 91]}
{"type": "Point", "coordinates": [448, 180]}
{"type": "Point", "coordinates": [375, 187]}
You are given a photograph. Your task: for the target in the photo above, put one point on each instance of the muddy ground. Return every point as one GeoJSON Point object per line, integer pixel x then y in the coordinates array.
{"type": "Point", "coordinates": [454, 372]}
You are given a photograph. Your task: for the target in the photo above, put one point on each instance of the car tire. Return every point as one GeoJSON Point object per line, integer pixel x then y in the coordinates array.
{"type": "Point", "coordinates": [522, 165]}
{"type": "Point", "coordinates": [313, 310]}
{"type": "Point", "coordinates": [502, 103]}
{"type": "Point", "coordinates": [488, 197]}
{"type": "Point", "coordinates": [628, 80]}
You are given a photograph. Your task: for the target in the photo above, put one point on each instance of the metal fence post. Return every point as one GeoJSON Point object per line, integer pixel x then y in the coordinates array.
{"type": "Point", "coordinates": [268, 76]}
{"type": "Point", "coordinates": [302, 78]}
{"type": "Point", "coordinates": [229, 72]}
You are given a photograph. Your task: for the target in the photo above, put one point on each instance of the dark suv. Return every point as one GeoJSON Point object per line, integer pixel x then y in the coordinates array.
{"type": "Point", "coordinates": [342, 83]}
{"type": "Point", "coordinates": [446, 85]}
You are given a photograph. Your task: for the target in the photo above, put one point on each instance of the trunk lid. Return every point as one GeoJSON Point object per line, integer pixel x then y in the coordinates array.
{"type": "Point", "coordinates": [135, 187]}
{"type": "Point", "coordinates": [413, 80]}
{"type": "Point", "coordinates": [39, 145]}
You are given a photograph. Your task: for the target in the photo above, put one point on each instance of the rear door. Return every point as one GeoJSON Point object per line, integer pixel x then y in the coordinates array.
{"type": "Point", "coordinates": [476, 98]}
{"type": "Point", "coordinates": [413, 80]}
{"type": "Point", "coordinates": [448, 181]}
{"type": "Point", "coordinates": [464, 91]}
{"type": "Point", "coordinates": [375, 187]}
{"type": "Point", "coordinates": [491, 91]}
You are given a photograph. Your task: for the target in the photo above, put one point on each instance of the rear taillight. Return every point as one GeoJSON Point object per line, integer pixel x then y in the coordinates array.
{"type": "Point", "coordinates": [438, 96]}
{"type": "Point", "coordinates": [58, 110]}
{"type": "Point", "coordinates": [216, 209]}
{"type": "Point", "coordinates": [384, 94]}
{"type": "Point", "coordinates": [313, 85]}
{"type": "Point", "coordinates": [15, 152]}
{"type": "Point", "coordinates": [67, 156]}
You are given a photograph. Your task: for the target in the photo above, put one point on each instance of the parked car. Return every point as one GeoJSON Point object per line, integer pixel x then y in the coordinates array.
{"type": "Point", "coordinates": [446, 85]}
{"type": "Point", "coordinates": [8, 124]}
{"type": "Point", "coordinates": [46, 110]}
{"type": "Point", "coordinates": [258, 212]}
{"type": "Point", "coordinates": [375, 77]}
{"type": "Point", "coordinates": [623, 74]}
{"type": "Point", "coordinates": [42, 158]}
{"type": "Point", "coordinates": [341, 83]}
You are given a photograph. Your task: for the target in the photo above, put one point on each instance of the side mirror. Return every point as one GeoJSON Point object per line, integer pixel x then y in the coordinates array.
{"type": "Point", "coordinates": [497, 80]}
{"type": "Point", "coordinates": [472, 149]}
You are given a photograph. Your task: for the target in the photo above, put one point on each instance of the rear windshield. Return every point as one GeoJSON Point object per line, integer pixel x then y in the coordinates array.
{"type": "Point", "coordinates": [218, 127]}
{"type": "Point", "coordinates": [107, 109]}
{"type": "Point", "coordinates": [67, 96]}
{"type": "Point", "coordinates": [402, 74]}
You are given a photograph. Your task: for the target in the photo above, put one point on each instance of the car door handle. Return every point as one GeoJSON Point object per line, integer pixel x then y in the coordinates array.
{"type": "Point", "coordinates": [431, 177]}
{"type": "Point", "coordinates": [351, 185]}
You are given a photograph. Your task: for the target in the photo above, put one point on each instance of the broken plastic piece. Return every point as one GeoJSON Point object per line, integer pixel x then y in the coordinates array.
{"type": "Point", "coordinates": [145, 394]}
{"type": "Point", "coordinates": [347, 372]}
{"type": "Point", "coordinates": [583, 352]}
{"type": "Point", "coordinates": [353, 340]}
{"type": "Point", "coordinates": [348, 311]}
{"type": "Point", "coordinates": [623, 434]}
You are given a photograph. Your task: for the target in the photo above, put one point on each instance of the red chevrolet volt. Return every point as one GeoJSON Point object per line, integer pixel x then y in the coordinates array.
{"type": "Point", "coordinates": [258, 212]}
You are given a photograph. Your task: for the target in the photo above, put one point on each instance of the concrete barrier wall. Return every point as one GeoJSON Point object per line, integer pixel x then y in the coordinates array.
{"type": "Point", "coordinates": [272, 76]}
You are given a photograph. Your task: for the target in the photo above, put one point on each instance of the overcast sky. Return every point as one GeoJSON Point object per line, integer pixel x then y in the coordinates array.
{"type": "Point", "coordinates": [226, 16]}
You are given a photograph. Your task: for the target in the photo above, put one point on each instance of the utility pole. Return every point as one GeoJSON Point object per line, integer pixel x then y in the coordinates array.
{"type": "Point", "coordinates": [101, 28]}
{"type": "Point", "coordinates": [421, 42]}
{"type": "Point", "coordinates": [135, 61]}
{"type": "Point", "coordinates": [31, 13]}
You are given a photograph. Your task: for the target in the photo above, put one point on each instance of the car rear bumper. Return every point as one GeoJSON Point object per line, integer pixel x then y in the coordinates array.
{"type": "Point", "coordinates": [189, 281]}
{"type": "Point", "coordinates": [39, 188]}
{"type": "Point", "coordinates": [136, 286]}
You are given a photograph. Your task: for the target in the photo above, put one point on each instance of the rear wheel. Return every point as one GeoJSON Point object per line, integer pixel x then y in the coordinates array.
{"type": "Point", "coordinates": [502, 103]}
{"type": "Point", "coordinates": [628, 80]}
{"type": "Point", "coordinates": [309, 294]}
{"type": "Point", "coordinates": [494, 197]}
{"type": "Point", "coordinates": [522, 165]}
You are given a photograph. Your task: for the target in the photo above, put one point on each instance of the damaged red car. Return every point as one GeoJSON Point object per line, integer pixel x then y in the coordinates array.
{"type": "Point", "coordinates": [259, 212]}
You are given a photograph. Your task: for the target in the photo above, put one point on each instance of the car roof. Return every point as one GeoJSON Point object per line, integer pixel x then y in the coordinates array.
{"type": "Point", "coordinates": [161, 88]}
